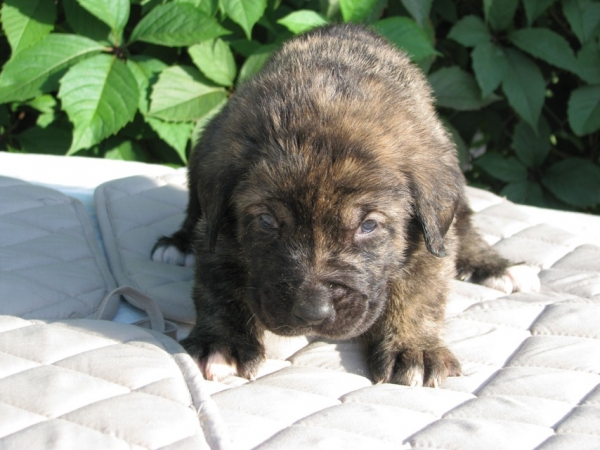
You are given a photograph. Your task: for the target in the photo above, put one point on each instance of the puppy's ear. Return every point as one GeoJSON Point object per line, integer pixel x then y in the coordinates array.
{"type": "Point", "coordinates": [215, 168]}
{"type": "Point", "coordinates": [214, 204]}
{"type": "Point", "coordinates": [436, 198]}
{"type": "Point", "coordinates": [217, 176]}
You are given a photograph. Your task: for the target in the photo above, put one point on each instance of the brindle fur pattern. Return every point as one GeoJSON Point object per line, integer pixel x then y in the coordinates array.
{"type": "Point", "coordinates": [337, 131]}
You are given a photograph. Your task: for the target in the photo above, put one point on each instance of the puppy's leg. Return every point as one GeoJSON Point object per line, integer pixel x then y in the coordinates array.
{"type": "Point", "coordinates": [405, 345]}
{"type": "Point", "coordinates": [221, 349]}
{"type": "Point", "coordinates": [477, 262]}
{"type": "Point", "coordinates": [224, 341]}
{"type": "Point", "coordinates": [226, 338]}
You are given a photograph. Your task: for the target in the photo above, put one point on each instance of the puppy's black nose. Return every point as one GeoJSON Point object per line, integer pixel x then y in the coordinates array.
{"type": "Point", "coordinates": [314, 314]}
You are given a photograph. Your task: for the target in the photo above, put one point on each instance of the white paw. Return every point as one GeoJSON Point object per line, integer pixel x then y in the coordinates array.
{"type": "Point", "coordinates": [415, 377]}
{"type": "Point", "coordinates": [169, 254]}
{"type": "Point", "coordinates": [520, 278]}
{"type": "Point", "coordinates": [524, 278]}
{"type": "Point", "coordinates": [216, 367]}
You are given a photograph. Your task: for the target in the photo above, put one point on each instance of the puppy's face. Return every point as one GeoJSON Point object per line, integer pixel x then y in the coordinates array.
{"type": "Point", "coordinates": [320, 238]}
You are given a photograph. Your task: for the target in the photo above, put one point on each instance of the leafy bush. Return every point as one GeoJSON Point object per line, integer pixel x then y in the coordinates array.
{"type": "Point", "coordinates": [517, 82]}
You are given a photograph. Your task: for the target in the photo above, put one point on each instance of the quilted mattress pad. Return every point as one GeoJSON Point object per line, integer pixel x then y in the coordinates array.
{"type": "Point", "coordinates": [531, 362]}
{"type": "Point", "coordinates": [96, 384]}
{"type": "Point", "coordinates": [44, 235]}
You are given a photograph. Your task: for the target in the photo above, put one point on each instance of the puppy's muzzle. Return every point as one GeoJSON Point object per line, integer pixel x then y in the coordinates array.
{"type": "Point", "coordinates": [315, 304]}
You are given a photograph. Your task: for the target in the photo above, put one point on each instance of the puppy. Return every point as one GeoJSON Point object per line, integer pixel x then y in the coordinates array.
{"type": "Point", "coordinates": [326, 199]}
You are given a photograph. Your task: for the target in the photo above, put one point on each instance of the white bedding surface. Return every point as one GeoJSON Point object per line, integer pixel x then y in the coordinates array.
{"type": "Point", "coordinates": [78, 177]}
{"type": "Point", "coordinates": [75, 176]}
{"type": "Point", "coordinates": [531, 362]}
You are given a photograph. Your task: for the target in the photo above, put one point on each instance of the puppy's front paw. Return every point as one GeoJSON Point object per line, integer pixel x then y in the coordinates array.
{"type": "Point", "coordinates": [519, 278]}
{"type": "Point", "coordinates": [217, 366]}
{"type": "Point", "coordinates": [415, 367]}
{"type": "Point", "coordinates": [218, 361]}
{"type": "Point", "coordinates": [170, 254]}
{"type": "Point", "coordinates": [175, 249]}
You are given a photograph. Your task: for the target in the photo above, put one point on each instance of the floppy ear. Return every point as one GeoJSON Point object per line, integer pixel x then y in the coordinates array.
{"type": "Point", "coordinates": [217, 181]}
{"type": "Point", "coordinates": [214, 171]}
{"type": "Point", "coordinates": [436, 198]}
{"type": "Point", "coordinates": [214, 204]}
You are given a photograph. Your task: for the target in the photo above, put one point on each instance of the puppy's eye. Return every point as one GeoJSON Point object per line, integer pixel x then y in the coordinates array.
{"type": "Point", "coordinates": [368, 226]}
{"type": "Point", "coordinates": [268, 222]}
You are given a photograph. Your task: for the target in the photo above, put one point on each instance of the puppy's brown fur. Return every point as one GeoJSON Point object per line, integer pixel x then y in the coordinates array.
{"type": "Point", "coordinates": [326, 199]}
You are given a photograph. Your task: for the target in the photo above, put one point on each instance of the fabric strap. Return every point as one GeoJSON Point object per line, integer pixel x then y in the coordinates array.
{"type": "Point", "coordinates": [155, 321]}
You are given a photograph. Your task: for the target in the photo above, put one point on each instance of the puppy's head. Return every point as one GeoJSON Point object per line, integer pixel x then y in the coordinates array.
{"type": "Point", "coordinates": [319, 237]}
{"type": "Point", "coordinates": [324, 221]}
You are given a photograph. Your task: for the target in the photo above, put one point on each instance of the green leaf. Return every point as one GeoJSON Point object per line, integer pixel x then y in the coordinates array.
{"type": "Point", "coordinates": [43, 103]}
{"type": "Point", "coordinates": [181, 94]}
{"type": "Point", "coordinates": [524, 86]}
{"type": "Point", "coordinates": [48, 140]}
{"type": "Point", "coordinates": [209, 7]}
{"type": "Point", "coordinates": [446, 9]}
{"type": "Point", "coordinates": [4, 116]}
{"type": "Point", "coordinates": [215, 60]}
{"type": "Point", "coordinates": [100, 95]}
{"type": "Point", "coordinates": [532, 146]}
{"type": "Point", "coordinates": [535, 8]}
{"type": "Point", "coordinates": [546, 45]}
{"type": "Point", "coordinates": [176, 134]}
{"type": "Point", "coordinates": [122, 150]}
{"type": "Point", "coordinates": [588, 63]}
{"type": "Point", "coordinates": [256, 61]}
{"type": "Point", "coordinates": [575, 181]}
{"type": "Point", "coordinates": [505, 169]}
{"type": "Point", "coordinates": [489, 65]}
{"type": "Point", "coordinates": [418, 9]}
{"type": "Point", "coordinates": [456, 89]}
{"type": "Point", "coordinates": [151, 66]}
{"type": "Point", "coordinates": [244, 12]}
{"type": "Point", "coordinates": [407, 35]}
{"type": "Point", "coordinates": [499, 13]}
{"type": "Point", "coordinates": [114, 13]}
{"type": "Point", "coordinates": [470, 31]}
{"type": "Point", "coordinates": [524, 191]}
{"type": "Point", "coordinates": [302, 20]}
{"type": "Point", "coordinates": [48, 108]}
{"type": "Point", "coordinates": [36, 69]}
{"type": "Point", "coordinates": [26, 22]}
{"type": "Point", "coordinates": [583, 17]}
{"type": "Point", "coordinates": [356, 10]}
{"type": "Point", "coordinates": [584, 110]}
{"type": "Point", "coordinates": [144, 69]}
{"type": "Point", "coordinates": [177, 25]}
{"type": "Point", "coordinates": [245, 48]}
{"type": "Point", "coordinates": [85, 24]}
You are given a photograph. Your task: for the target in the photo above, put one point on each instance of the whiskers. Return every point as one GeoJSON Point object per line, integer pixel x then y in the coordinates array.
{"type": "Point", "coordinates": [250, 319]}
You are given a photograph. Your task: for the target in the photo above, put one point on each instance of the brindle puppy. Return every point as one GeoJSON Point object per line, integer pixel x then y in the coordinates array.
{"type": "Point", "coordinates": [326, 199]}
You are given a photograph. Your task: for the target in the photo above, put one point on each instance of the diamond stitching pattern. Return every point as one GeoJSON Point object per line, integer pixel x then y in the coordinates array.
{"type": "Point", "coordinates": [73, 384]}
{"type": "Point", "coordinates": [48, 251]}
{"type": "Point", "coordinates": [134, 212]}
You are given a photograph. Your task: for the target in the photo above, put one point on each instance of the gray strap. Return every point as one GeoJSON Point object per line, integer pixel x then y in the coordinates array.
{"type": "Point", "coordinates": [143, 302]}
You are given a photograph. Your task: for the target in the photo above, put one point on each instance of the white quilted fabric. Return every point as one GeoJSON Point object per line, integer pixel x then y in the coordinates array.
{"type": "Point", "coordinates": [132, 214]}
{"type": "Point", "coordinates": [50, 263]}
{"type": "Point", "coordinates": [531, 362]}
{"type": "Point", "coordinates": [96, 385]}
